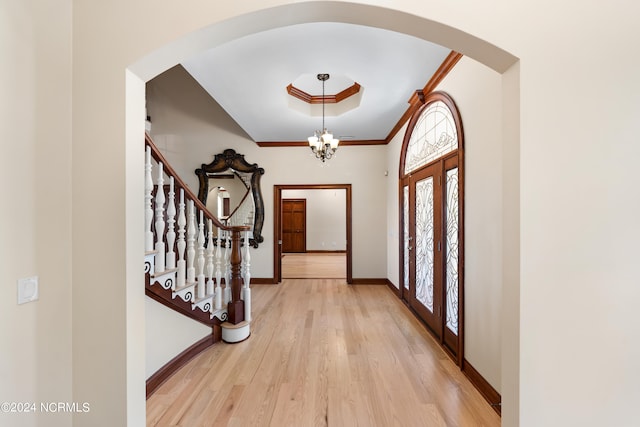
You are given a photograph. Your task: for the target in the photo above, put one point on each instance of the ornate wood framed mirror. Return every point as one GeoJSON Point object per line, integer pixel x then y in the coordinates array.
{"type": "Point", "coordinates": [229, 187]}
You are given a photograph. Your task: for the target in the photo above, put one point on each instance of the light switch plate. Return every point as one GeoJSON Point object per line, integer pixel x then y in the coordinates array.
{"type": "Point", "coordinates": [27, 289]}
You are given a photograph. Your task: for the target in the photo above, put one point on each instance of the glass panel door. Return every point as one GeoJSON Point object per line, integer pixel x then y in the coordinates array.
{"type": "Point", "coordinates": [424, 242]}
{"type": "Point", "coordinates": [451, 249]}
{"type": "Point", "coordinates": [451, 256]}
{"type": "Point", "coordinates": [407, 239]}
{"type": "Point", "coordinates": [425, 276]}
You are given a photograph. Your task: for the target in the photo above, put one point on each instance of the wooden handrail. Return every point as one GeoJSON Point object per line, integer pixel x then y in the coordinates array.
{"type": "Point", "coordinates": [236, 305]}
{"type": "Point", "coordinates": [159, 157]}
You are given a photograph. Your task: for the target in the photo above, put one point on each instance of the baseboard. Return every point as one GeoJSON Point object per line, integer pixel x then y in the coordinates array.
{"type": "Point", "coordinates": [486, 390]}
{"type": "Point", "coordinates": [263, 281]}
{"type": "Point", "coordinates": [164, 373]}
{"type": "Point", "coordinates": [319, 251]}
{"type": "Point", "coordinates": [393, 288]}
{"type": "Point", "coordinates": [361, 281]}
{"type": "Point", "coordinates": [355, 281]}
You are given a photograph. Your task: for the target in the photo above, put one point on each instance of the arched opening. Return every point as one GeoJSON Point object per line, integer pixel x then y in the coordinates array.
{"type": "Point", "coordinates": [432, 201]}
{"type": "Point", "coordinates": [492, 56]}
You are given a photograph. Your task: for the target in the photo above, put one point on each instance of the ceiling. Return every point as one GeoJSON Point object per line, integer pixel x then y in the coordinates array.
{"type": "Point", "coordinates": [249, 76]}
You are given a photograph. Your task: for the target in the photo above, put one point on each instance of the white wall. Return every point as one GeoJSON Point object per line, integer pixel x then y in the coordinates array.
{"type": "Point", "coordinates": [35, 225]}
{"type": "Point", "coordinates": [577, 103]}
{"type": "Point", "coordinates": [168, 334]}
{"type": "Point", "coordinates": [393, 208]}
{"type": "Point", "coordinates": [477, 92]}
{"type": "Point", "coordinates": [326, 218]}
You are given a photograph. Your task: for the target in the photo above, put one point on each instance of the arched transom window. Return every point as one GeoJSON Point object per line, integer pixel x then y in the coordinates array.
{"type": "Point", "coordinates": [433, 136]}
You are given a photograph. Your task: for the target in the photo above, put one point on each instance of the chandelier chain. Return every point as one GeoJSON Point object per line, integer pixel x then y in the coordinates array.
{"type": "Point", "coordinates": [322, 143]}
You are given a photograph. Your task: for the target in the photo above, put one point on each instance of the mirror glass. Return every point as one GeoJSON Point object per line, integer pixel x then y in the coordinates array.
{"type": "Point", "coordinates": [228, 193]}
{"type": "Point", "coordinates": [230, 189]}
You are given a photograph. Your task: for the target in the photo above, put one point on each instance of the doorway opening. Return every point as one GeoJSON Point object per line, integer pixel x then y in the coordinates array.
{"type": "Point", "coordinates": [432, 218]}
{"type": "Point", "coordinates": [290, 225]}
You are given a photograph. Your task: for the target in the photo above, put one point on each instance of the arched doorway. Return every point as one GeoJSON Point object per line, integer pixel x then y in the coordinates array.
{"type": "Point", "coordinates": [199, 38]}
{"type": "Point", "coordinates": [432, 219]}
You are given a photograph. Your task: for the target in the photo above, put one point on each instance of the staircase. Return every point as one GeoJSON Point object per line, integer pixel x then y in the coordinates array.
{"type": "Point", "coordinates": [194, 264]}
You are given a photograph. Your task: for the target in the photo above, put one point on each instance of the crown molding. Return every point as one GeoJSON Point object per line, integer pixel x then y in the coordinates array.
{"type": "Point", "coordinates": [306, 143]}
{"type": "Point", "coordinates": [415, 102]}
{"type": "Point", "coordinates": [318, 99]}
{"type": "Point", "coordinates": [418, 97]}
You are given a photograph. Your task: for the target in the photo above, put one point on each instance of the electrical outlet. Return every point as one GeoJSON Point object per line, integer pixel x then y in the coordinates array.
{"type": "Point", "coordinates": [27, 289]}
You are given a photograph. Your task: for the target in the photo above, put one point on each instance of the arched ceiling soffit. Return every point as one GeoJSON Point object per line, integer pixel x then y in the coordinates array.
{"type": "Point", "coordinates": [246, 56]}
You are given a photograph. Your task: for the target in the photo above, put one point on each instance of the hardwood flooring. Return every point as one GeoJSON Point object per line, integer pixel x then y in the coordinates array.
{"type": "Point", "coordinates": [323, 353]}
{"type": "Point", "coordinates": [314, 265]}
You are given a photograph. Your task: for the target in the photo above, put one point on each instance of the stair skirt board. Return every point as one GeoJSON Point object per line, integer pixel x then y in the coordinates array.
{"type": "Point", "coordinates": [164, 373]}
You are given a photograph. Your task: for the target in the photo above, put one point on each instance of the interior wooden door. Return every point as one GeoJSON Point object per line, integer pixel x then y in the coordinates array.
{"type": "Point", "coordinates": [294, 220]}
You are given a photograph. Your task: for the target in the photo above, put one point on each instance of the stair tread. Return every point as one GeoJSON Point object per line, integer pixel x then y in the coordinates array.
{"type": "Point", "coordinates": [186, 286]}
{"type": "Point", "coordinates": [204, 298]}
{"type": "Point", "coordinates": [166, 271]}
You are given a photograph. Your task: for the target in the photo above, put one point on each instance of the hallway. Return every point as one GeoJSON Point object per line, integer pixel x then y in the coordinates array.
{"type": "Point", "coordinates": [323, 353]}
{"type": "Point", "coordinates": [314, 265]}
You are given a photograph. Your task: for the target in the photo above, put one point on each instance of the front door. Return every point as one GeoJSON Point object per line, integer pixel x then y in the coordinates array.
{"type": "Point", "coordinates": [432, 248]}
{"type": "Point", "coordinates": [432, 203]}
{"type": "Point", "coordinates": [425, 278]}
{"type": "Point", "coordinates": [294, 220]}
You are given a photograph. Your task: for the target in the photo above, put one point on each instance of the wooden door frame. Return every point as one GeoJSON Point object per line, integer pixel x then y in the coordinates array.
{"type": "Point", "coordinates": [277, 224]}
{"type": "Point", "coordinates": [405, 179]}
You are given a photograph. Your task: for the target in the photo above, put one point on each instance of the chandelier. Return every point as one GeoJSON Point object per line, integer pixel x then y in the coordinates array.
{"type": "Point", "coordinates": [322, 143]}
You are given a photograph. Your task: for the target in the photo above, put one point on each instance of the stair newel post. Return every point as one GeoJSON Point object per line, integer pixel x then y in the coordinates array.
{"type": "Point", "coordinates": [246, 266]}
{"type": "Point", "coordinates": [210, 258]}
{"type": "Point", "coordinates": [201, 259]}
{"type": "Point", "coordinates": [218, 303]}
{"type": "Point", "coordinates": [160, 199]}
{"type": "Point", "coordinates": [191, 238]}
{"type": "Point", "coordinates": [182, 222]}
{"type": "Point", "coordinates": [171, 220]}
{"type": "Point", "coordinates": [227, 267]}
{"type": "Point", "coordinates": [148, 210]}
{"type": "Point", "coordinates": [236, 305]}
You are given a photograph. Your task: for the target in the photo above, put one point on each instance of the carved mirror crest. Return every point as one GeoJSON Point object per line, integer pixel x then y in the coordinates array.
{"type": "Point", "coordinates": [229, 187]}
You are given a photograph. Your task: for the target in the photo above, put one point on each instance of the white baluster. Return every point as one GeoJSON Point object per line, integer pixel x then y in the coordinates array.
{"type": "Point", "coordinates": [201, 260]}
{"type": "Point", "coordinates": [182, 222]}
{"type": "Point", "coordinates": [160, 199]}
{"type": "Point", "coordinates": [227, 268]}
{"type": "Point", "coordinates": [210, 259]}
{"type": "Point", "coordinates": [171, 220]}
{"type": "Point", "coordinates": [191, 238]}
{"type": "Point", "coordinates": [218, 272]}
{"type": "Point", "coordinates": [148, 210]}
{"type": "Point", "coordinates": [246, 267]}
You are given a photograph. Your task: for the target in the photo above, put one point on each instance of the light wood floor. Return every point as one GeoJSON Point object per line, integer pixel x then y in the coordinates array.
{"type": "Point", "coordinates": [314, 265]}
{"type": "Point", "coordinates": [323, 353]}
